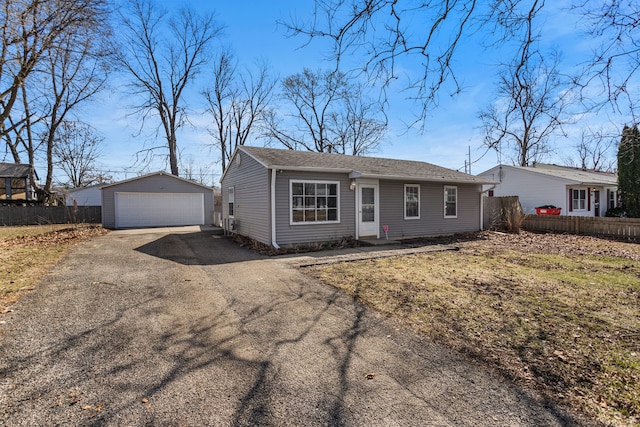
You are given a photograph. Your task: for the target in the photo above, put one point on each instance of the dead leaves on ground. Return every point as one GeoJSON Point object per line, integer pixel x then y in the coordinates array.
{"type": "Point", "coordinates": [59, 237]}
{"type": "Point", "coordinates": [557, 312]}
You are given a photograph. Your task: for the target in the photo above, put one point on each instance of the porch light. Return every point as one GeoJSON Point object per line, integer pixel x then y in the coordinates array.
{"type": "Point", "coordinates": [352, 186]}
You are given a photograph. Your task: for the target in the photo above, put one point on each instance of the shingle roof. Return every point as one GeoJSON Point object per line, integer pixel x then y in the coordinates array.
{"type": "Point", "coordinates": [573, 174]}
{"type": "Point", "coordinates": [358, 166]}
{"type": "Point", "coordinates": [160, 173]}
{"type": "Point", "coordinates": [14, 170]}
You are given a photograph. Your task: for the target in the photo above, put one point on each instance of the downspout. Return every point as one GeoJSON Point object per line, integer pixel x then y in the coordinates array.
{"type": "Point", "coordinates": [481, 211]}
{"type": "Point", "coordinates": [273, 208]}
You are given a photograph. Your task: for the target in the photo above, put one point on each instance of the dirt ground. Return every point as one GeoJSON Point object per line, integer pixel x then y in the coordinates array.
{"type": "Point", "coordinates": [28, 253]}
{"type": "Point", "coordinates": [555, 243]}
{"type": "Point", "coordinates": [558, 313]}
{"type": "Point", "coordinates": [169, 328]}
{"type": "Point", "coordinates": [485, 242]}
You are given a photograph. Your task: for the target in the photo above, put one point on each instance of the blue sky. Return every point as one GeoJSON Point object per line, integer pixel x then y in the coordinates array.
{"type": "Point", "coordinates": [452, 129]}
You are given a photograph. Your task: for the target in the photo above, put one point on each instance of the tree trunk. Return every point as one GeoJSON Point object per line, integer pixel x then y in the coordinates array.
{"type": "Point", "coordinates": [173, 153]}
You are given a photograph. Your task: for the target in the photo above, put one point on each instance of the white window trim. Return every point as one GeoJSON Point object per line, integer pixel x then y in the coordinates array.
{"type": "Point", "coordinates": [231, 191]}
{"type": "Point", "coordinates": [313, 181]}
{"type": "Point", "coordinates": [448, 187]}
{"type": "Point", "coordinates": [405, 201]}
{"type": "Point", "coordinates": [586, 200]}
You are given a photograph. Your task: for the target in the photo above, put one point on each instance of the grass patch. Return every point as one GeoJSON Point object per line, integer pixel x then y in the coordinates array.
{"type": "Point", "coordinates": [566, 324]}
{"type": "Point", "coordinates": [8, 233]}
{"type": "Point", "coordinates": [28, 253]}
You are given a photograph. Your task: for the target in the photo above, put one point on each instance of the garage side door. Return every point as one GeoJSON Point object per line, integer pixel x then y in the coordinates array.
{"type": "Point", "coordinates": [158, 209]}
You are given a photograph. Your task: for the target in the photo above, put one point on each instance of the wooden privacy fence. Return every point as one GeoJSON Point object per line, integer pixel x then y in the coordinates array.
{"type": "Point", "coordinates": [35, 215]}
{"type": "Point", "coordinates": [500, 212]}
{"type": "Point", "coordinates": [621, 228]}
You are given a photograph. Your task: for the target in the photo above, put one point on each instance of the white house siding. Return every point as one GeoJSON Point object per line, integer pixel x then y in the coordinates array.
{"type": "Point", "coordinates": [432, 221]}
{"type": "Point", "coordinates": [535, 189]}
{"type": "Point", "coordinates": [532, 189]}
{"type": "Point", "coordinates": [89, 196]}
{"type": "Point", "coordinates": [287, 233]}
{"type": "Point", "coordinates": [251, 183]}
{"type": "Point", "coordinates": [156, 183]}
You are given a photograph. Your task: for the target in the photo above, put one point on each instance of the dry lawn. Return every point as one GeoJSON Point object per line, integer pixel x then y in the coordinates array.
{"type": "Point", "coordinates": [559, 314]}
{"type": "Point", "coordinates": [28, 253]}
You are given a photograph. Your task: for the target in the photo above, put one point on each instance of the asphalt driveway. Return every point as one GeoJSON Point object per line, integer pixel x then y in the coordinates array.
{"type": "Point", "coordinates": [184, 328]}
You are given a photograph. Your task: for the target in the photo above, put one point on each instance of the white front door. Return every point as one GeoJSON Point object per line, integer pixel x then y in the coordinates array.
{"type": "Point", "coordinates": [368, 210]}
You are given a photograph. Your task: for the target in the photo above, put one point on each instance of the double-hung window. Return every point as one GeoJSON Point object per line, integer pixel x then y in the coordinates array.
{"type": "Point", "coordinates": [232, 201]}
{"type": "Point", "coordinates": [411, 201]}
{"type": "Point", "coordinates": [612, 199]}
{"type": "Point", "coordinates": [314, 201]}
{"type": "Point", "coordinates": [450, 202]}
{"type": "Point", "coordinates": [579, 197]}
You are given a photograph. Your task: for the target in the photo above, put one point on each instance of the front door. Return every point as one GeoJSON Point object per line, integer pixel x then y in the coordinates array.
{"type": "Point", "coordinates": [367, 210]}
{"type": "Point", "coordinates": [596, 202]}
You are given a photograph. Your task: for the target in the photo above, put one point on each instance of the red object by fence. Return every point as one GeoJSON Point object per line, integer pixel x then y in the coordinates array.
{"type": "Point", "coordinates": [548, 211]}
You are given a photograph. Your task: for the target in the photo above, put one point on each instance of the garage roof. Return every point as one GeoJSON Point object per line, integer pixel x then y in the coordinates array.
{"type": "Point", "coordinates": [570, 175]}
{"type": "Point", "coordinates": [161, 173]}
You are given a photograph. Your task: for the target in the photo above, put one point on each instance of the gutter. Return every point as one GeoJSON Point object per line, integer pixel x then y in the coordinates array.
{"type": "Point", "coordinates": [433, 179]}
{"type": "Point", "coordinates": [310, 169]}
{"type": "Point", "coordinates": [273, 208]}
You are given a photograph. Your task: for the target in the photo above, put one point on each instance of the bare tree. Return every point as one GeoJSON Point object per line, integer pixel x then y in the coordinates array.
{"type": "Point", "coordinates": [387, 34]}
{"type": "Point", "coordinates": [196, 173]}
{"type": "Point", "coordinates": [31, 29]}
{"type": "Point", "coordinates": [220, 98]}
{"type": "Point", "coordinates": [530, 108]}
{"type": "Point", "coordinates": [531, 100]}
{"type": "Point", "coordinates": [594, 151]}
{"type": "Point", "coordinates": [162, 55]}
{"type": "Point", "coordinates": [311, 95]}
{"type": "Point", "coordinates": [238, 102]}
{"type": "Point", "coordinates": [54, 62]}
{"type": "Point", "coordinates": [77, 71]}
{"type": "Point", "coordinates": [615, 63]}
{"type": "Point", "coordinates": [20, 134]}
{"type": "Point", "coordinates": [384, 36]}
{"type": "Point", "coordinates": [328, 114]}
{"type": "Point", "coordinates": [361, 126]}
{"type": "Point", "coordinates": [75, 152]}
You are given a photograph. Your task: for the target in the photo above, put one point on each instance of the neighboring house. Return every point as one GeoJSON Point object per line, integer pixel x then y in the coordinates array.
{"type": "Point", "coordinates": [156, 200]}
{"type": "Point", "coordinates": [15, 182]}
{"type": "Point", "coordinates": [577, 192]}
{"type": "Point", "coordinates": [284, 197]}
{"type": "Point", "coordinates": [90, 195]}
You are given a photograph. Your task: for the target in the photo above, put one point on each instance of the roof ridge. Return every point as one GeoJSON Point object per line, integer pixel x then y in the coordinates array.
{"type": "Point", "coordinates": [358, 166]}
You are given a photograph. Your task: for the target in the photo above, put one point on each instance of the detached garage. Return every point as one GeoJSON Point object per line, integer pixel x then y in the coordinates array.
{"type": "Point", "coordinates": [156, 200]}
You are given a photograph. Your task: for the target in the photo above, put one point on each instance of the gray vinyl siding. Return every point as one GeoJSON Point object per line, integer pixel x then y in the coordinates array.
{"type": "Point", "coordinates": [251, 184]}
{"type": "Point", "coordinates": [164, 183]}
{"type": "Point", "coordinates": [288, 234]}
{"type": "Point", "coordinates": [251, 181]}
{"type": "Point", "coordinates": [432, 221]}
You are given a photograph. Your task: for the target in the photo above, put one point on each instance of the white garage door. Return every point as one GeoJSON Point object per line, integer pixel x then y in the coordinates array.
{"type": "Point", "coordinates": [158, 209]}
